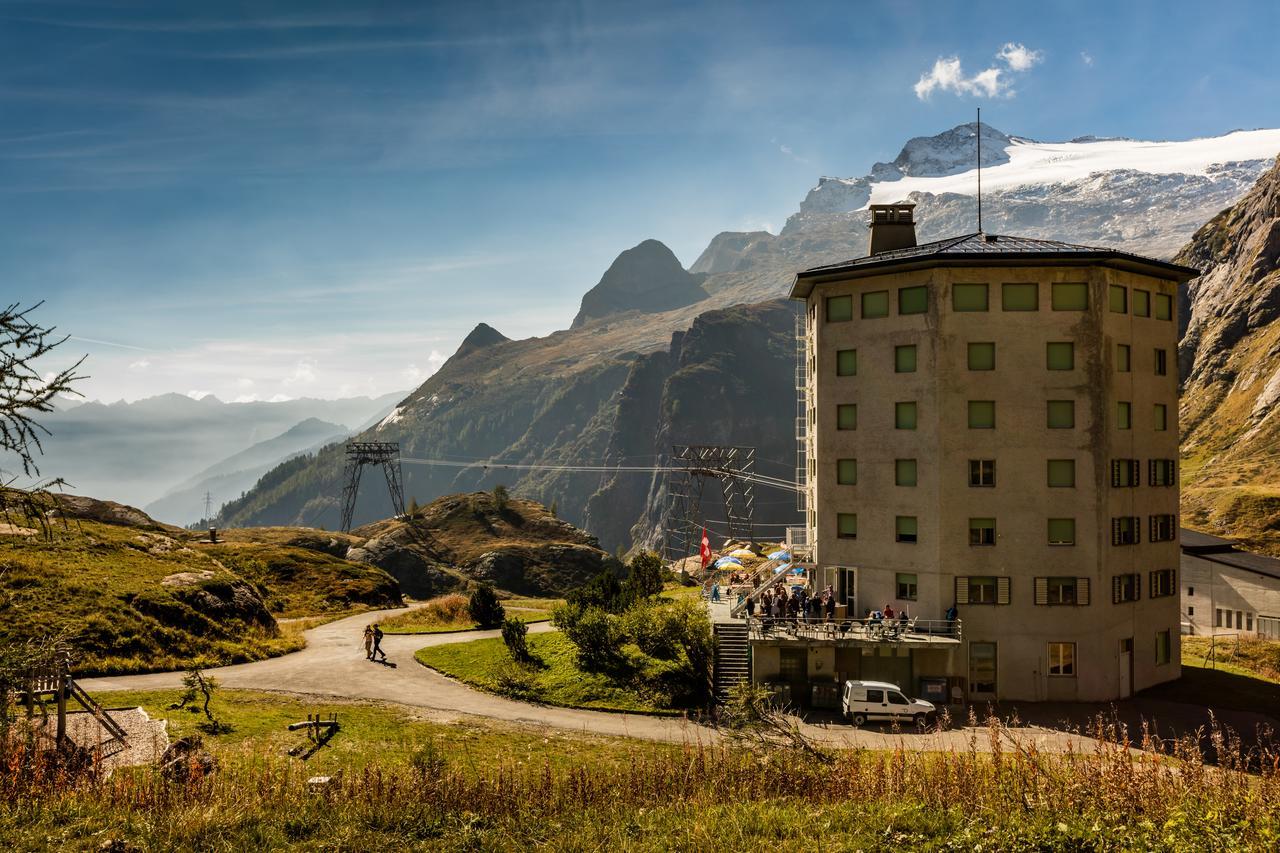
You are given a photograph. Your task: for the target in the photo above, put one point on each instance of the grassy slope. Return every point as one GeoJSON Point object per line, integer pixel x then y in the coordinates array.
{"type": "Point", "coordinates": [1247, 680]}
{"type": "Point", "coordinates": [421, 621]}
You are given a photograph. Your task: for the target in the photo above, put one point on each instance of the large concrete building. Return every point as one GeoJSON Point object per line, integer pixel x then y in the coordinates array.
{"type": "Point", "coordinates": [992, 425]}
{"type": "Point", "coordinates": [1226, 591]}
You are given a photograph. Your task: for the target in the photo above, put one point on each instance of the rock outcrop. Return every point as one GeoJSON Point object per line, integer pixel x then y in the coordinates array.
{"type": "Point", "coordinates": [646, 278]}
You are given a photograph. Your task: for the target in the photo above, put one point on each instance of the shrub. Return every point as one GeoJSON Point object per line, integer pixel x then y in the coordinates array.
{"type": "Point", "coordinates": [501, 497]}
{"type": "Point", "coordinates": [449, 609]}
{"type": "Point", "coordinates": [602, 591]}
{"type": "Point", "coordinates": [598, 639]}
{"type": "Point", "coordinates": [517, 681]}
{"type": "Point", "coordinates": [484, 607]}
{"type": "Point", "coordinates": [514, 634]}
{"type": "Point", "coordinates": [645, 577]}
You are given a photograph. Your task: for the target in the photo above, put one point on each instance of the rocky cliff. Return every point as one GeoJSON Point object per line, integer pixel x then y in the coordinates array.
{"type": "Point", "coordinates": [646, 278]}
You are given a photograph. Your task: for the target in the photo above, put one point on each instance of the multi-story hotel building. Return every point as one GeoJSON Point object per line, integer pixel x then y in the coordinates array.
{"type": "Point", "coordinates": [992, 425]}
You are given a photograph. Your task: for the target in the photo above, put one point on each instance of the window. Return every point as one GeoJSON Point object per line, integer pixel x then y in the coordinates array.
{"type": "Point", "coordinates": [1162, 362]}
{"type": "Point", "coordinates": [982, 472]}
{"type": "Point", "coordinates": [1062, 414]}
{"type": "Point", "coordinates": [847, 472]}
{"type": "Point", "coordinates": [1020, 297]}
{"type": "Point", "coordinates": [1164, 648]}
{"type": "Point", "coordinates": [846, 525]}
{"type": "Point", "coordinates": [1124, 415]}
{"type": "Point", "coordinates": [1217, 617]}
{"type": "Point", "coordinates": [1161, 417]}
{"type": "Point", "coordinates": [1125, 473]}
{"type": "Point", "coordinates": [846, 362]}
{"type": "Point", "coordinates": [905, 528]}
{"type": "Point", "coordinates": [847, 416]}
{"type": "Point", "coordinates": [1062, 473]}
{"type": "Point", "coordinates": [1191, 592]}
{"type": "Point", "coordinates": [980, 590]}
{"type": "Point", "coordinates": [913, 300]}
{"type": "Point", "coordinates": [1141, 303]}
{"type": "Point", "coordinates": [1125, 588]}
{"type": "Point", "coordinates": [1070, 297]}
{"type": "Point", "coordinates": [982, 414]}
{"type": "Point", "coordinates": [1126, 530]}
{"type": "Point", "coordinates": [904, 359]}
{"type": "Point", "coordinates": [904, 415]}
{"type": "Point", "coordinates": [1163, 528]}
{"type": "Point", "coordinates": [1062, 531]}
{"type": "Point", "coordinates": [1248, 621]}
{"type": "Point", "coordinates": [904, 472]}
{"type": "Point", "coordinates": [969, 297]}
{"type": "Point", "coordinates": [875, 304]}
{"type": "Point", "coordinates": [874, 696]}
{"type": "Point", "coordinates": [1191, 611]}
{"type": "Point", "coordinates": [1058, 591]}
{"type": "Point", "coordinates": [1062, 659]}
{"type": "Point", "coordinates": [982, 531]}
{"type": "Point", "coordinates": [1122, 358]}
{"type": "Point", "coordinates": [1060, 355]}
{"type": "Point", "coordinates": [1119, 299]}
{"type": "Point", "coordinates": [896, 698]}
{"type": "Point", "coordinates": [907, 586]}
{"type": "Point", "coordinates": [982, 356]}
{"type": "Point", "coordinates": [1164, 306]}
{"type": "Point", "coordinates": [1163, 583]}
{"type": "Point", "coordinates": [839, 309]}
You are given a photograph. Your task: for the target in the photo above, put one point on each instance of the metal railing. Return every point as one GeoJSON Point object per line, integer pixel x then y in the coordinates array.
{"type": "Point", "coordinates": [911, 631]}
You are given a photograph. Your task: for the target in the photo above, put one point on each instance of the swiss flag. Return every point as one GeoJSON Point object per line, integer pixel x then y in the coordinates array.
{"type": "Point", "coordinates": [705, 550]}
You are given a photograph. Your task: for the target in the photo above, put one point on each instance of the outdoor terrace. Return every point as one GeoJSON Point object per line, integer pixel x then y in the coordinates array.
{"type": "Point", "coordinates": [858, 632]}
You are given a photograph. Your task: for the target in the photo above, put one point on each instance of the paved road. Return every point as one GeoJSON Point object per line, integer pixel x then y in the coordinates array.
{"type": "Point", "coordinates": [333, 664]}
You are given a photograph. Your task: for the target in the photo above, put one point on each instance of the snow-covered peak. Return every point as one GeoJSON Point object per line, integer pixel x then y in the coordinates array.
{"type": "Point", "coordinates": [948, 153]}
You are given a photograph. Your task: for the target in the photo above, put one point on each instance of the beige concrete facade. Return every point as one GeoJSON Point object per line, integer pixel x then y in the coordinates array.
{"type": "Point", "coordinates": [1118, 646]}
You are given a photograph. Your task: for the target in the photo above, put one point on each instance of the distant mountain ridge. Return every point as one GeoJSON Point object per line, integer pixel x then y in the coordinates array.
{"type": "Point", "coordinates": [647, 278]}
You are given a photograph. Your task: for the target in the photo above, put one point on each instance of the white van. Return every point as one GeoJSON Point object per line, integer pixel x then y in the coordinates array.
{"type": "Point", "coordinates": [879, 700]}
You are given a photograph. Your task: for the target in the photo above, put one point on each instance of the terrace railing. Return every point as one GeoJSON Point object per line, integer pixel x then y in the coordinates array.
{"type": "Point", "coordinates": [909, 631]}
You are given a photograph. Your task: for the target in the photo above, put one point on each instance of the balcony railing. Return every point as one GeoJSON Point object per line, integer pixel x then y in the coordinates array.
{"type": "Point", "coordinates": [905, 631]}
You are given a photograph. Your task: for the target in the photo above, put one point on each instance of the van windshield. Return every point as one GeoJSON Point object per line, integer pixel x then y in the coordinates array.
{"type": "Point", "coordinates": [898, 699]}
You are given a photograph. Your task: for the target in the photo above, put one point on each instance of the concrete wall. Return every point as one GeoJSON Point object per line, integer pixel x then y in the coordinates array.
{"type": "Point", "coordinates": [1208, 586]}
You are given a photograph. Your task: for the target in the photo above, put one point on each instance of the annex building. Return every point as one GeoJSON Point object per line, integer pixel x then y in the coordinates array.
{"type": "Point", "coordinates": [1227, 591]}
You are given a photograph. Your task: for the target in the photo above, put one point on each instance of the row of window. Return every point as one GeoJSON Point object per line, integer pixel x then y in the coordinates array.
{"type": "Point", "coordinates": [1062, 656]}
{"type": "Point", "coordinates": [1061, 473]}
{"type": "Point", "coordinates": [1019, 296]}
{"type": "Point", "coordinates": [1059, 355]}
{"type": "Point", "coordinates": [1059, 414]}
{"type": "Point", "coordinates": [1060, 531]}
{"type": "Point", "coordinates": [1049, 591]}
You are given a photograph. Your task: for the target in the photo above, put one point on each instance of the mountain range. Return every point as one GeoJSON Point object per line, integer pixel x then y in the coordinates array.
{"type": "Point", "coordinates": [710, 358]}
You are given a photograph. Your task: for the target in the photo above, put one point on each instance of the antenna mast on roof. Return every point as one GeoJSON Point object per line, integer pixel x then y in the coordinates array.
{"type": "Point", "coordinates": [979, 170]}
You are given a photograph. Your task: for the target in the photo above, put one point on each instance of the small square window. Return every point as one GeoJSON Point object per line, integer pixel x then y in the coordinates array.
{"type": "Point", "coordinates": [1020, 297]}
{"type": "Point", "coordinates": [1124, 415]}
{"type": "Point", "coordinates": [913, 300]}
{"type": "Point", "coordinates": [982, 356]}
{"type": "Point", "coordinates": [1164, 306]}
{"type": "Point", "coordinates": [1070, 297]}
{"type": "Point", "coordinates": [904, 415]}
{"type": "Point", "coordinates": [1062, 659]}
{"type": "Point", "coordinates": [839, 309]}
{"type": "Point", "coordinates": [846, 362]}
{"type": "Point", "coordinates": [847, 416]}
{"type": "Point", "coordinates": [982, 531]}
{"type": "Point", "coordinates": [908, 586]}
{"type": "Point", "coordinates": [1062, 473]}
{"type": "Point", "coordinates": [982, 472]}
{"type": "Point", "coordinates": [1061, 414]}
{"type": "Point", "coordinates": [904, 359]}
{"type": "Point", "coordinates": [1122, 358]}
{"type": "Point", "coordinates": [1119, 299]}
{"type": "Point", "coordinates": [1162, 362]}
{"type": "Point", "coordinates": [905, 528]}
{"type": "Point", "coordinates": [875, 304]}
{"type": "Point", "coordinates": [1060, 355]}
{"type": "Point", "coordinates": [847, 472]}
{"type": "Point", "coordinates": [1161, 417]}
{"type": "Point", "coordinates": [846, 525]}
{"type": "Point", "coordinates": [1062, 531]}
{"type": "Point", "coordinates": [982, 414]}
{"type": "Point", "coordinates": [983, 590]}
{"type": "Point", "coordinates": [1058, 591]}
{"type": "Point", "coordinates": [1141, 303]}
{"type": "Point", "coordinates": [969, 297]}
{"type": "Point", "coordinates": [904, 472]}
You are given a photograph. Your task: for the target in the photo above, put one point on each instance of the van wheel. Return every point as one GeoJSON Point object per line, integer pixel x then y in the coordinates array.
{"type": "Point", "coordinates": [859, 719]}
{"type": "Point", "coordinates": [922, 720]}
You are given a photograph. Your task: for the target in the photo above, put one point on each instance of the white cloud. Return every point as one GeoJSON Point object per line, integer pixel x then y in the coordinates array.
{"type": "Point", "coordinates": [1086, 57]}
{"type": "Point", "coordinates": [412, 374]}
{"type": "Point", "coordinates": [304, 373]}
{"type": "Point", "coordinates": [140, 364]}
{"type": "Point", "coordinates": [1019, 57]}
{"type": "Point", "coordinates": [947, 74]}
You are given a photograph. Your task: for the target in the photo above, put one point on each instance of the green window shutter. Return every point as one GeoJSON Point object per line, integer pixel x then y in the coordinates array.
{"type": "Point", "coordinates": [1124, 415]}
{"type": "Point", "coordinates": [1070, 297]}
{"type": "Point", "coordinates": [1020, 297]}
{"type": "Point", "coordinates": [1164, 306]}
{"type": "Point", "coordinates": [962, 590]}
{"type": "Point", "coordinates": [904, 415]}
{"type": "Point", "coordinates": [847, 416]}
{"type": "Point", "coordinates": [982, 414]}
{"type": "Point", "coordinates": [1082, 592]}
{"type": "Point", "coordinates": [847, 472]}
{"type": "Point", "coordinates": [1141, 303]}
{"type": "Point", "coordinates": [1002, 590]}
{"type": "Point", "coordinates": [913, 300]}
{"type": "Point", "coordinates": [847, 525]}
{"type": "Point", "coordinates": [1062, 473]}
{"type": "Point", "coordinates": [1119, 299]}
{"type": "Point", "coordinates": [1061, 414]}
{"type": "Point", "coordinates": [1062, 531]}
{"type": "Point", "coordinates": [875, 304]}
{"type": "Point", "coordinates": [1060, 355]}
{"type": "Point", "coordinates": [982, 356]}
{"type": "Point", "coordinates": [1042, 591]}
{"type": "Point", "coordinates": [1122, 358]}
{"type": "Point", "coordinates": [1161, 417]}
{"type": "Point", "coordinates": [904, 359]}
{"type": "Point", "coordinates": [906, 527]}
{"type": "Point", "coordinates": [904, 472]}
{"type": "Point", "coordinates": [846, 362]}
{"type": "Point", "coordinates": [839, 309]}
{"type": "Point", "coordinates": [969, 297]}
{"type": "Point", "coordinates": [1117, 589]}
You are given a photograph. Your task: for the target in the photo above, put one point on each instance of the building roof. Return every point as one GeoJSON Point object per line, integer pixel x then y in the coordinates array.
{"type": "Point", "coordinates": [982, 249]}
{"type": "Point", "coordinates": [1215, 549]}
{"type": "Point", "coordinates": [1203, 543]}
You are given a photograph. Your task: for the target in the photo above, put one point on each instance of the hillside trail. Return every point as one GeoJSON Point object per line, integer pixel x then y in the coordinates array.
{"type": "Point", "coordinates": [333, 665]}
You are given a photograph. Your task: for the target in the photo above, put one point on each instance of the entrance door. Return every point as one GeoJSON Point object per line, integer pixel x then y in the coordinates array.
{"type": "Point", "coordinates": [848, 591]}
{"type": "Point", "coordinates": [1126, 667]}
{"type": "Point", "coordinates": [793, 669]}
{"type": "Point", "coordinates": [982, 670]}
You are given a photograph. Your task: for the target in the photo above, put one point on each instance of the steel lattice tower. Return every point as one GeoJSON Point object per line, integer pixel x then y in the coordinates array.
{"type": "Point", "coordinates": [733, 467]}
{"type": "Point", "coordinates": [384, 454]}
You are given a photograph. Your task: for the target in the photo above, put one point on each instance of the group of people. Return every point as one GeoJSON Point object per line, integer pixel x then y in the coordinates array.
{"type": "Point", "coordinates": [373, 643]}
{"type": "Point", "coordinates": [798, 604]}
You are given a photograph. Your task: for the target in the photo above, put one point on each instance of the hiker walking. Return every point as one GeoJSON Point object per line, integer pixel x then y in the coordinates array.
{"type": "Point", "coordinates": [377, 643]}
{"type": "Point", "coordinates": [368, 642]}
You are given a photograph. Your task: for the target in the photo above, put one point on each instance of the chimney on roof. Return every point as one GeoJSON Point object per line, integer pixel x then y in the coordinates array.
{"type": "Point", "coordinates": [892, 227]}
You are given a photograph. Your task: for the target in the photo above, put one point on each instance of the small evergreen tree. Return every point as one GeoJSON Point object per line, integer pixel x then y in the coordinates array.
{"type": "Point", "coordinates": [484, 607]}
{"type": "Point", "coordinates": [501, 497]}
{"type": "Point", "coordinates": [514, 633]}
{"type": "Point", "coordinates": [645, 577]}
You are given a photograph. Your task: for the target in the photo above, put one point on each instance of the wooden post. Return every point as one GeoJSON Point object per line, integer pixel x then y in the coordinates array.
{"type": "Point", "coordinates": [62, 708]}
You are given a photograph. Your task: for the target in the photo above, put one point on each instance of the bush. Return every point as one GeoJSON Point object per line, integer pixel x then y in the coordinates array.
{"type": "Point", "coordinates": [645, 577]}
{"type": "Point", "coordinates": [602, 591]}
{"type": "Point", "coordinates": [501, 497]}
{"type": "Point", "coordinates": [449, 609]}
{"type": "Point", "coordinates": [484, 607]}
{"type": "Point", "coordinates": [597, 636]}
{"type": "Point", "coordinates": [514, 633]}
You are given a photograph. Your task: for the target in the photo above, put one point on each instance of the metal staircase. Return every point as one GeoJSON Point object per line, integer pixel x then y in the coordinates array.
{"type": "Point", "coordinates": [732, 657]}
{"type": "Point", "coordinates": [775, 579]}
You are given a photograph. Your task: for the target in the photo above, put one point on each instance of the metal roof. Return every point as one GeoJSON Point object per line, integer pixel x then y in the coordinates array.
{"type": "Point", "coordinates": [1215, 549]}
{"type": "Point", "coordinates": [1197, 542]}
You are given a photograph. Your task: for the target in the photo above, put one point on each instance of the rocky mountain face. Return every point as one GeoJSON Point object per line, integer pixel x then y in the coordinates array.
{"type": "Point", "coordinates": [1230, 366]}
{"type": "Point", "coordinates": [647, 278]}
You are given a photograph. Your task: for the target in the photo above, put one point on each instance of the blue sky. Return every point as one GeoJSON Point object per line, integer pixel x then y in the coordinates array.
{"type": "Point", "coordinates": [309, 199]}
